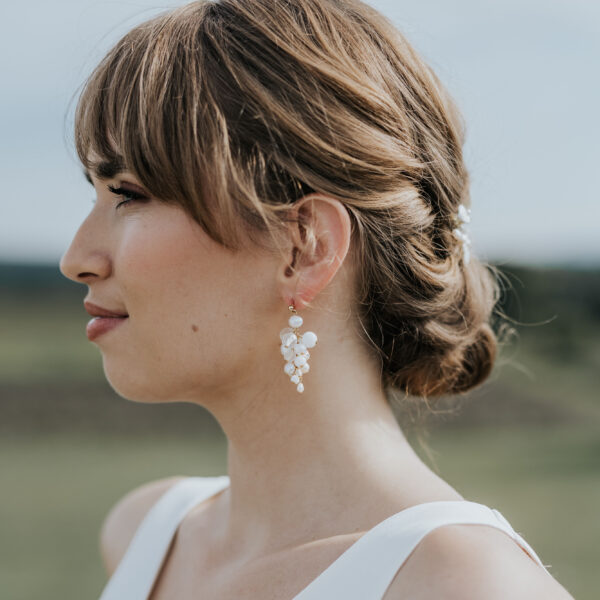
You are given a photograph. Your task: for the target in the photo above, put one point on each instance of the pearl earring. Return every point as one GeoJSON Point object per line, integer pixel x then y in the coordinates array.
{"type": "Point", "coordinates": [294, 348]}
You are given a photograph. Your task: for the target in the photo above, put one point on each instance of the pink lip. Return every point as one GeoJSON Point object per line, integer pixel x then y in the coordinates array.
{"type": "Point", "coordinates": [99, 325]}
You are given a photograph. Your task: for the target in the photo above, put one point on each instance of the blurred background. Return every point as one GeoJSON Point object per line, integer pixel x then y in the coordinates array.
{"type": "Point", "coordinates": [525, 75]}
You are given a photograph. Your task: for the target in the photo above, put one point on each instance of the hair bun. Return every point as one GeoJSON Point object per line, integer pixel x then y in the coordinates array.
{"type": "Point", "coordinates": [433, 341]}
{"type": "Point", "coordinates": [458, 370]}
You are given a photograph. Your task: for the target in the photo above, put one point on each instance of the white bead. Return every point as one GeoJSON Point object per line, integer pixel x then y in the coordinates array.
{"type": "Point", "coordinates": [289, 354]}
{"type": "Point", "coordinates": [459, 234]}
{"type": "Point", "coordinates": [309, 339]}
{"type": "Point", "coordinates": [300, 387]}
{"type": "Point", "coordinates": [289, 339]}
{"type": "Point", "coordinates": [295, 321]}
{"type": "Point", "coordinates": [305, 368]}
{"type": "Point", "coordinates": [464, 214]}
{"type": "Point", "coordinates": [289, 368]}
{"type": "Point", "coordinates": [284, 331]}
{"type": "Point", "coordinates": [299, 361]}
{"type": "Point", "coordinates": [299, 348]}
{"type": "Point", "coordinates": [466, 254]}
{"type": "Point", "coordinates": [295, 379]}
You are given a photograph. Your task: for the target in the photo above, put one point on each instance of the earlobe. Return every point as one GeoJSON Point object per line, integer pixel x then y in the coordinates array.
{"type": "Point", "coordinates": [320, 240]}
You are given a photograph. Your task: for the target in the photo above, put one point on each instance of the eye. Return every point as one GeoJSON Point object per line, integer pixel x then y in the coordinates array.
{"type": "Point", "coordinates": [128, 195]}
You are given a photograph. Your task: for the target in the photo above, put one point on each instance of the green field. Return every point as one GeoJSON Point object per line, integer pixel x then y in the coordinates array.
{"type": "Point", "coordinates": [57, 489]}
{"type": "Point", "coordinates": [526, 443]}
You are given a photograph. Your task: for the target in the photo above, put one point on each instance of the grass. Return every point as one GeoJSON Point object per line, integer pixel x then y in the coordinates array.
{"type": "Point", "coordinates": [58, 488]}
{"type": "Point", "coordinates": [540, 468]}
{"type": "Point", "coordinates": [46, 342]}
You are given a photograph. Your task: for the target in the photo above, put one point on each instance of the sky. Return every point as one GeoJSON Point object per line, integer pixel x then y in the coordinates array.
{"type": "Point", "coordinates": [525, 75]}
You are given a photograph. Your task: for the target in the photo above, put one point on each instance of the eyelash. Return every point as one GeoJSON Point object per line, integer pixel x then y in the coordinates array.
{"type": "Point", "coordinates": [130, 194]}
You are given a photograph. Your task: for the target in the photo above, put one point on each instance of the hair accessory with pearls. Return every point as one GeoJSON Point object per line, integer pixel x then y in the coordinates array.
{"type": "Point", "coordinates": [294, 348]}
{"type": "Point", "coordinates": [461, 219]}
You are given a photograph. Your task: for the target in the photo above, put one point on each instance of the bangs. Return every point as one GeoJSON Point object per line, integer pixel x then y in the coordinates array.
{"type": "Point", "coordinates": [132, 110]}
{"type": "Point", "coordinates": [148, 106]}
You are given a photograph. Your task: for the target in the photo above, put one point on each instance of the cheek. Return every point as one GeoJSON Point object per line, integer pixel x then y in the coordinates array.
{"type": "Point", "coordinates": [172, 277]}
{"type": "Point", "coordinates": [193, 304]}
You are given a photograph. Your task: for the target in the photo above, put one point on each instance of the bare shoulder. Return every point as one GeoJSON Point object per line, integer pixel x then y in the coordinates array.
{"type": "Point", "coordinates": [125, 516]}
{"type": "Point", "coordinates": [469, 562]}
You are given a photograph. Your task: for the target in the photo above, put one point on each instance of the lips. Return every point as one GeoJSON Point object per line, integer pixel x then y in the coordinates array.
{"type": "Point", "coordinates": [101, 325]}
{"type": "Point", "coordinates": [98, 311]}
{"type": "Point", "coordinates": [104, 319]}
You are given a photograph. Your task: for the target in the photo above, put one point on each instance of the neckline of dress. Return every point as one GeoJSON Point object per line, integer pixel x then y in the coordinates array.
{"type": "Point", "coordinates": [402, 514]}
{"type": "Point", "coordinates": [369, 532]}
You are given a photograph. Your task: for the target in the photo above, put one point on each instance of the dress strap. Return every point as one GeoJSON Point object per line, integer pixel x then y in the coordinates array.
{"type": "Point", "coordinates": [368, 567]}
{"type": "Point", "coordinates": [136, 573]}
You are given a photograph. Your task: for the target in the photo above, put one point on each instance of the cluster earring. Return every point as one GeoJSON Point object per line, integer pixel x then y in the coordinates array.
{"type": "Point", "coordinates": [294, 348]}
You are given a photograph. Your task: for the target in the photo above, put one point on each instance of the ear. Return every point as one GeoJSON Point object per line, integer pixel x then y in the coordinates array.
{"type": "Point", "coordinates": [319, 239]}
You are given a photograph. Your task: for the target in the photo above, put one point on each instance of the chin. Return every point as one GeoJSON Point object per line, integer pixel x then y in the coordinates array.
{"type": "Point", "coordinates": [136, 388]}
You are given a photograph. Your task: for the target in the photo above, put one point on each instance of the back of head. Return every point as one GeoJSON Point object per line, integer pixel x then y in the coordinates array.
{"type": "Point", "coordinates": [235, 109]}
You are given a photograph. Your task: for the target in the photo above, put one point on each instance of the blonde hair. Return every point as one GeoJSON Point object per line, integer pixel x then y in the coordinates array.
{"type": "Point", "coordinates": [235, 109]}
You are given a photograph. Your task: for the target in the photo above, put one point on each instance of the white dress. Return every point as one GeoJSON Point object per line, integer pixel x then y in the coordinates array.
{"type": "Point", "coordinates": [363, 572]}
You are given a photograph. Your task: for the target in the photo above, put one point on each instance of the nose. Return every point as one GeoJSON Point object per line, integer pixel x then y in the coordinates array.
{"type": "Point", "coordinates": [86, 259]}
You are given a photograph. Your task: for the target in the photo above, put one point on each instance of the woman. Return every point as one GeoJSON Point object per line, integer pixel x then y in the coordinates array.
{"type": "Point", "coordinates": [280, 236]}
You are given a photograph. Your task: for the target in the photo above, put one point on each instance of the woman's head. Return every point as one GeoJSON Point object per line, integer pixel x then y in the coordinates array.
{"type": "Point", "coordinates": [231, 112]}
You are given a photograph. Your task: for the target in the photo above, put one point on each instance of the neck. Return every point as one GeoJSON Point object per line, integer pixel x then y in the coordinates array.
{"type": "Point", "coordinates": [304, 465]}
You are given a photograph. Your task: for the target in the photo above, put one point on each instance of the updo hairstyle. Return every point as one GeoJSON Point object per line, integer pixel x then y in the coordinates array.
{"type": "Point", "coordinates": [235, 109]}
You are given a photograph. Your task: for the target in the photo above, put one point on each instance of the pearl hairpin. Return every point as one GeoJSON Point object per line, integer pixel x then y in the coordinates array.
{"type": "Point", "coordinates": [462, 218]}
{"type": "Point", "coordinates": [294, 348]}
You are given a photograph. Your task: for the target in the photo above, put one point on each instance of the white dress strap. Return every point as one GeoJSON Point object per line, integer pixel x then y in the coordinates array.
{"type": "Point", "coordinates": [135, 575]}
{"type": "Point", "coordinates": [368, 567]}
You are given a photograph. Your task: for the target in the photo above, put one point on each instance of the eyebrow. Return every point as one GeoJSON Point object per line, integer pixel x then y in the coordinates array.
{"type": "Point", "coordinates": [106, 169]}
